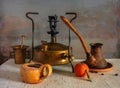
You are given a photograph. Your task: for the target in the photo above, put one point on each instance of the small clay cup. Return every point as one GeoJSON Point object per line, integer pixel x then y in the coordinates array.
{"type": "Point", "coordinates": [35, 72]}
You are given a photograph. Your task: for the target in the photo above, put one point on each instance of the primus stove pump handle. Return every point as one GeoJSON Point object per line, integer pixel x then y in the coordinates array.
{"type": "Point", "coordinates": [27, 15]}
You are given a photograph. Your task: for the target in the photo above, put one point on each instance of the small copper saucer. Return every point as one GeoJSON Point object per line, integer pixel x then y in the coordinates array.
{"type": "Point", "coordinates": [107, 68]}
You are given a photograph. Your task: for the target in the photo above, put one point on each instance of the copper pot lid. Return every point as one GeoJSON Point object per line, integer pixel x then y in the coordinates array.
{"type": "Point", "coordinates": [53, 47]}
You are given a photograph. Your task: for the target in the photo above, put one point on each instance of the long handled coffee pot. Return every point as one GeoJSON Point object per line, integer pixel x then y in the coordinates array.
{"type": "Point", "coordinates": [93, 60]}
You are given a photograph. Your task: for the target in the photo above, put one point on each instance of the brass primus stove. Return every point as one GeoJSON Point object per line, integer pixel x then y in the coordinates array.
{"type": "Point", "coordinates": [52, 53]}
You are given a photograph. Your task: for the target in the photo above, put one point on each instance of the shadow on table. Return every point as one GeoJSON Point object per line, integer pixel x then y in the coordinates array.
{"type": "Point", "coordinates": [65, 69]}
{"type": "Point", "coordinates": [63, 72]}
{"type": "Point", "coordinates": [68, 74]}
{"type": "Point", "coordinates": [10, 75]}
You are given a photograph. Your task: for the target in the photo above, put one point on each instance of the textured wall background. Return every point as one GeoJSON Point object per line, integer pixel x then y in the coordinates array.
{"type": "Point", "coordinates": [97, 21]}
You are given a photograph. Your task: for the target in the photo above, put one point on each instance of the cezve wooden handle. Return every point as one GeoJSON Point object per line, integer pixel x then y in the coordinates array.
{"type": "Point", "coordinates": [66, 21]}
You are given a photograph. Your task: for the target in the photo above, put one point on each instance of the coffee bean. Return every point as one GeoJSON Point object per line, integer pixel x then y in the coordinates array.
{"type": "Point", "coordinates": [102, 74]}
{"type": "Point", "coordinates": [116, 74]}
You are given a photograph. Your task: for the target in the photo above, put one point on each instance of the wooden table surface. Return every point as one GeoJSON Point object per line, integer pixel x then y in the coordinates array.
{"type": "Point", "coordinates": [62, 77]}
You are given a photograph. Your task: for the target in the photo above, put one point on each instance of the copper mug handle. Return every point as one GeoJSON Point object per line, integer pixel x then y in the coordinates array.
{"type": "Point", "coordinates": [44, 72]}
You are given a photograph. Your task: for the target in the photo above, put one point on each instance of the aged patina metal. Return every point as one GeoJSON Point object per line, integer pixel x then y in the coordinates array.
{"type": "Point", "coordinates": [96, 51]}
{"type": "Point", "coordinates": [52, 53]}
{"type": "Point", "coordinates": [20, 53]}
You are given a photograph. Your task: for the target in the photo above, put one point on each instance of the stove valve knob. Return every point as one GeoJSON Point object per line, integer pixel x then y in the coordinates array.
{"type": "Point", "coordinates": [64, 55]}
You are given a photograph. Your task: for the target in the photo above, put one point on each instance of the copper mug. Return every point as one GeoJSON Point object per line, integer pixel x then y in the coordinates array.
{"type": "Point", "coordinates": [35, 72]}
